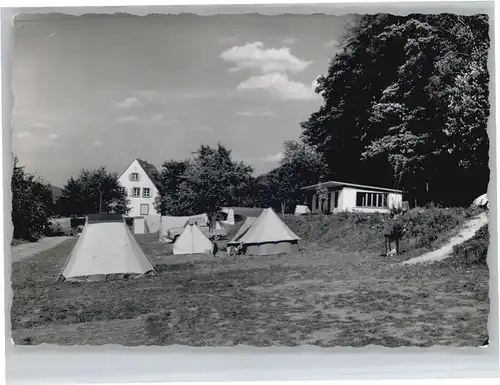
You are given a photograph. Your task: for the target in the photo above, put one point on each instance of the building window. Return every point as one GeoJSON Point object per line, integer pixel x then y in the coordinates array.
{"type": "Point", "coordinates": [136, 192]}
{"type": "Point", "coordinates": [336, 199]}
{"type": "Point", "coordinates": [145, 209]}
{"type": "Point", "coordinates": [146, 192]}
{"type": "Point", "coordinates": [368, 199]}
{"type": "Point", "coordinates": [134, 177]}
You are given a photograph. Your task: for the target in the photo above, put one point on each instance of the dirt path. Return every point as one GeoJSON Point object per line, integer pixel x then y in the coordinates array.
{"type": "Point", "coordinates": [27, 250]}
{"type": "Point", "coordinates": [469, 230]}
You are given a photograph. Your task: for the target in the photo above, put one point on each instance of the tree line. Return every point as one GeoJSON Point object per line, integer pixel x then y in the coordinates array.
{"type": "Point", "coordinates": [406, 105]}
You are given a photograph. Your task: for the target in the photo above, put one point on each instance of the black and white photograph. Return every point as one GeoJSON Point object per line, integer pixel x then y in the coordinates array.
{"type": "Point", "coordinates": [248, 179]}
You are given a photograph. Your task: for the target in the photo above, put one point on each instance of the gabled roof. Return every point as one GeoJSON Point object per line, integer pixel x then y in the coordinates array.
{"type": "Point", "coordinates": [334, 183]}
{"type": "Point", "coordinates": [150, 170]}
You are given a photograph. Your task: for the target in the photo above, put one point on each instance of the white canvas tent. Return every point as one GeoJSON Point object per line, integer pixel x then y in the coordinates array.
{"type": "Point", "coordinates": [268, 235]}
{"type": "Point", "coordinates": [103, 249]}
{"type": "Point", "coordinates": [302, 210]}
{"type": "Point", "coordinates": [192, 241]}
{"type": "Point", "coordinates": [481, 201]}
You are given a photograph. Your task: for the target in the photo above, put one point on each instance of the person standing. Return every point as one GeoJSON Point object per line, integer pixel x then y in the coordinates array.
{"type": "Point", "coordinates": [215, 248]}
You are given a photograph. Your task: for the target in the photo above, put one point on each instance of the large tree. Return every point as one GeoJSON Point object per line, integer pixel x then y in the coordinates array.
{"type": "Point", "coordinates": [406, 104]}
{"type": "Point", "coordinates": [301, 166]}
{"type": "Point", "coordinates": [31, 204]}
{"type": "Point", "coordinates": [93, 191]}
{"type": "Point", "coordinates": [204, 184]}
{"type": "Point", "coordinates": [170, 178]}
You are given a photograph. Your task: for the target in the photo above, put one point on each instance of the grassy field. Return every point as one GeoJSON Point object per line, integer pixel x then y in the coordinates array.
{"type": "Point", "coordinates": [338, 291]}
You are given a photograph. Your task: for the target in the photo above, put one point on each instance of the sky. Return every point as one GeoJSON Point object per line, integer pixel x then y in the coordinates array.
{"type": "Point", "coordinates": [105, 89]}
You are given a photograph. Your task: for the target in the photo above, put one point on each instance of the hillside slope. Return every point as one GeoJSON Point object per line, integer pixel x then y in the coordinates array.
{"type": "Point", "coordinates": [427, 229]}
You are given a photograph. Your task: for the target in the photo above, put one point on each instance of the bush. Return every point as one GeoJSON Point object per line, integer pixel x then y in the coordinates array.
{"type": "Point", "coordinates": [475, 250]}
{"type": "Point", "coordinates": [31, 204]}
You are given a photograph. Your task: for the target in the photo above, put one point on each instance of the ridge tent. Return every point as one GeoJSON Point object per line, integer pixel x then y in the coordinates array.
{"type": "Point", "coordinates": [105, 247]}
{"type": "Point", "coordinates": [192, 241]}
{"type": "Point", "coordinates": [268, 235]}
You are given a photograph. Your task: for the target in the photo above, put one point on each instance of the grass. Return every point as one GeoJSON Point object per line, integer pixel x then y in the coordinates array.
{"type": "Point", "coordinates": [339, 291]}
{"type": "Point", "coordinates": [16, 242]}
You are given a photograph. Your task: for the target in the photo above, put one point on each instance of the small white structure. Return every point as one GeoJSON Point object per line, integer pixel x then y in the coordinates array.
{"type": "Point", "coordinates": [140, 181]}
{"type": "Point", "coordinates": [353, 197]}
{"type": "Point", "coordinates": [139, 225]}
{"type": "Point", "coordinates": [192, 241]}
{"type": "Point", "coordinates": [302, 210]}
{"type": "Point", "coordinates": [230, 215]}
{"type": "Point", "coordinates": [482, 201]}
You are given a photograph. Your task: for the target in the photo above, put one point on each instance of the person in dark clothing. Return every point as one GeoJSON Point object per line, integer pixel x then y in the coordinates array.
{"type": "Point", "coordinates": [215, 249]}
{"type": "Point", "coordinates": [393, 233]}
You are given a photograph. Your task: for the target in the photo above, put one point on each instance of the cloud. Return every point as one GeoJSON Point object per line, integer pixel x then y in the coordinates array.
{"type": "Point", "coordinates": [24, 134]}
{"type": "Point", "coordinates": [257, 113]}
{"type": "Point", "coordinates": [164, 97]}
{"type": "Point", "coordinates": [52, 35]}
{"type": "Point", "coordinates": [228, 39]}
{"type": "Point", "coordinates": [332, 43]}
{"type": "Point", "coordinates": [254, 56]}
{"type": "Point", "coordinates": [157, 118]}
{"type": "Point", "coordinates": [280, 86]}
{"type": "Point", "coordinates": [130, 102]}
{"type": "Point", "coordinates": [201, 129]}
{"type": "Point", "coordinates": [39, 125]}
{"type": "Point", "coordinates": [97, 143]}
{"type": "Point", "coordinates": [53, 136]}
{"type": "Point", "coordinates": [273, 158]}
{"type": "Point", "coordinates": [289, 40]}
{"type": "Point", "coordinates": [127, 119]}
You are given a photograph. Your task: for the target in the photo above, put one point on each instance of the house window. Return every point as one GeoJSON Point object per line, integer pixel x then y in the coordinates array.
{"type": "Point", "coordinates": [136, 192]}
{"type": "Point", "coordinates": [134, 177]}
{"type": "Point", "coordinates": [369, 199]}
{"type": "Point", "coordinates": [145, 209]}
{"type": "Point", "coordinates": [146, 192]}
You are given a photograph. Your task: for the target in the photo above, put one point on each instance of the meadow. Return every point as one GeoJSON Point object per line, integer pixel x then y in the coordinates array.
{"type": "Point", "coordinates": [339, 290]}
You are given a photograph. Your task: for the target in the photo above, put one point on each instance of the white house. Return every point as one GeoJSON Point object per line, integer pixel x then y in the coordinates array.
{"type": "Point", "coordinates": [353, 197]}
{"type": "Point", "coordinates": [140, 181]}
